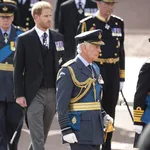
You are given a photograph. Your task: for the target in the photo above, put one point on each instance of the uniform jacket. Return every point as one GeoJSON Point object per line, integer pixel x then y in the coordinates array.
{"type": "Point", "coordinates": [6, 58]}
{"type": "Point", "coordinates": [142, 98]}
{"type": "Point", "coordinates": [28, 61]}
{"type": "Point", "coordinates": [88, 125]}
{"type": "Point", "coordinates": [112, 35]}
{"type": "Point", "coordinates": [69, 21]}
{"type": "Point", "coordinates": [23, 15]}
{"type": "Point", "coordinates": [56, 20]}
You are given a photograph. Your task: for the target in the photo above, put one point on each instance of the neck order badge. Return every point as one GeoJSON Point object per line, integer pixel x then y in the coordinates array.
{"type": "Point", "coordinates": [80, 9]}
{"type": "Point", "coordinates": [5, 37]}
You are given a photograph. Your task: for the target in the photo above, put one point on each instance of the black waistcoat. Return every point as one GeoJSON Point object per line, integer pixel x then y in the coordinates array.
{"type": "Point", "coordinates": [49, 65]}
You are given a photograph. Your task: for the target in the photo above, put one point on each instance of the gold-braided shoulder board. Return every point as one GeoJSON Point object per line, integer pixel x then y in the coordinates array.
{"type": "Point", "coordinates": [68, 63]}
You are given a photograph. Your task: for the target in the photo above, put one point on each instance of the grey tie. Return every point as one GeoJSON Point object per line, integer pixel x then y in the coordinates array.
{"type": "Point", "coordinates": [92, 70]}
{"type": "Point", "coordinates": [80, 9]}
{"type": "Point", "coordinates": [45, 43]}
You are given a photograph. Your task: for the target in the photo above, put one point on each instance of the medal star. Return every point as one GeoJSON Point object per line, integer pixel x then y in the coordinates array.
{"type": "Point", "coordinates": [107, 26]}
{"type": "Point", "coordinates": [80, 11]}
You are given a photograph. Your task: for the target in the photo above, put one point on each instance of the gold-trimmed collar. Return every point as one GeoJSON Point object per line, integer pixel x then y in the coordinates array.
{"type": "Point", "coordinates": [98, 15]}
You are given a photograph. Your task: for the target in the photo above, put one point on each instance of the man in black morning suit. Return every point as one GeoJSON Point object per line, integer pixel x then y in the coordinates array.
{"type": "Point", "coordinates": [23, 15]}
{"type": "Point", "coordinates": [112, 57]}
{"type": "Point", "coordinates": [71, 12]}
{"type": "Point", "coordinates": [10, 112]}
{"type": "Point", "coordinates": [36, 63]}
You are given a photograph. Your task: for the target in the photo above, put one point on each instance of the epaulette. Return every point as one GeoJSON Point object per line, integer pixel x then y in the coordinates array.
{"type": "Point", "coordinates": [68, 63]}
{"type": "Point", "coordinates": [85, 19]}
{"type": "Point", "coordinates": [20, 28]}
{"type": "Point", "coordinates": [117, 17]}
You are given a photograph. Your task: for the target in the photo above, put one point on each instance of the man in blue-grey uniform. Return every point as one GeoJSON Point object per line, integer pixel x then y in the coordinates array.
{"type": "Point", "coordinates": [111, 60]}
{"type": "Point", "coordinates": [78, 88]}
{"type": "Point", "coordinates": [10, 112]}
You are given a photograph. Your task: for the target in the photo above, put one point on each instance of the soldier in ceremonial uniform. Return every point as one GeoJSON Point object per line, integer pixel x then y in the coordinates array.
{"type": "Point", "coordinates": [80, 114]}
{"type": "Point", "coordinates": [112, 58]}
{"type": "Point", "coordinates": [142, 101]}
{"type": "Point", "coordinates": [23, 16]}
{"type": "Point", "coordinates": [10, 112]}
{"type": "Point", "coordinates": [71, 12]}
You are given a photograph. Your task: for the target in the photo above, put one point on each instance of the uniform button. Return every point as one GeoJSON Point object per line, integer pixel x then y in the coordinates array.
{"type": "Point", "coordinates": [116, 23]}
{"type": "Point", "coordinates": [27, 18]}
{"type": "Point", "coordinates": [100, 54]}
{"type": "Point", "coordinates": [27, 28]}
{"type": "Point", "coordinates": [27, 24]}
{"type": "Point", "coordinates": [117, 39]}
{"type": "Point", "coordinates": [115, 54]}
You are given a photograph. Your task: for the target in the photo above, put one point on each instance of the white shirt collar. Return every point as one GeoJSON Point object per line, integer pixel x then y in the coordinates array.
{"type": "Point", "coordinates": [83, 3]}
{"type": "Point", "coordinates": [22, 1]}
{"type": "Point", "coordinates": [83, 60]}
{"type": "Point", "coordinates": [40, 32]}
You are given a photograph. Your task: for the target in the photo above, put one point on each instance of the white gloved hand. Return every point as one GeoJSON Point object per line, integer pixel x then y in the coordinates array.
{"type": "Point", "coordinates": [70, 138]}
{"type": "Point", "coordinates": [138, 128]}
{"type": "Point", "coordinates": [107, 118]}
{"type": "Point", "coordinates": [121, 85]}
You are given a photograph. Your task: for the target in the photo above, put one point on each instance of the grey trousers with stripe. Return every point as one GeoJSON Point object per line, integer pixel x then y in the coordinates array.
{"type": "Point", "coordinates": [40, 115]}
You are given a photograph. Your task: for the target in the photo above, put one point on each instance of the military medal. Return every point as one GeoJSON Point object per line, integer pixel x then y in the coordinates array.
{"type": "Point", "coordinates": [116, 32]}
{"type": "Point", "coordinates": [12, 45]}
{"type": "Point", "coordinates": [80, 10]}
{"type": "Point", "coordinates": [100, 80]}
{"type": "Point", "coordinates": [5, 40]}
{"type": "Point", "coordinates": [90, 11]}
{"type": "Point", "coordinates": [59, 45]}
{"type": "Point", "coordinates": [107, 26]}
{"type": "Point", "coordinates": [5, 37]}
{"type": "Point", "coordinates": [60, 60]}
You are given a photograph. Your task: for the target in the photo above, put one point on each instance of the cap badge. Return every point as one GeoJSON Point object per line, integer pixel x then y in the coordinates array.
{"type": "Point", "coordinates": [5, 8]}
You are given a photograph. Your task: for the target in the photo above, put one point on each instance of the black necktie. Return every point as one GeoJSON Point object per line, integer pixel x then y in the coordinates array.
{"type": "Point", "coordinates": [92, 70]}
{"type": "Point", "coordinates": [93, 76]}
{"type": "Point", "coordinates": [45, 43]}
{"type": "Point", "coordinates": [5, 37]}
{"type": "Point", "coordinates": [89, 66]}
{"type": "Point", "coordinates": [80, 9]}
